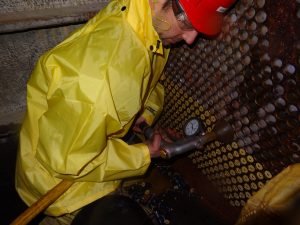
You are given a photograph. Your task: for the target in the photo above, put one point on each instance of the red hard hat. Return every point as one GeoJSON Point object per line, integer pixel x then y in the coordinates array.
{"type": "Point", "coordinates": [206, 15]}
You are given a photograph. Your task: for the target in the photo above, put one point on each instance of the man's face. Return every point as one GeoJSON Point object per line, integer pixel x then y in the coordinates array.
{"type": "Point", "coordinates": [176, 31]}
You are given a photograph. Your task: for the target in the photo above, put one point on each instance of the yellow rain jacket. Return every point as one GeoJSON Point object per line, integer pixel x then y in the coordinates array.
{"type": "Point", "coordinates": [82, 98]}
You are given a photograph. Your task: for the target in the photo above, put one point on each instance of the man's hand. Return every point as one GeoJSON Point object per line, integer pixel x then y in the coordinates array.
{"type": "Point", "coordinates": [161, 134]}
{"type": "Point", "coordinates": [165, 134]}
{"type": "Point", "coordinates": [154, 145]}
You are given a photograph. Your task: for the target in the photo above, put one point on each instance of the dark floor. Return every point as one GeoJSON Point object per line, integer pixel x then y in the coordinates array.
{"type": "Point", "coordinates": [184, 209]}
{"type": "Point", "coordinates": [11, 204]}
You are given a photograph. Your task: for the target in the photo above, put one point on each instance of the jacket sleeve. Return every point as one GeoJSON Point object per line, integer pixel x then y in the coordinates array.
{"type": "Point", "coordinates": [70, 145]}
{"type": "Point", "coordinates": [154, 104]}
{"type": "Point", "coordinates": [75, 138]}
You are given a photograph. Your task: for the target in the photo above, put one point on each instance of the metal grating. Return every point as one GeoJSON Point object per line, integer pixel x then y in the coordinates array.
{"type": "Point", "coordinates": [248, 76]}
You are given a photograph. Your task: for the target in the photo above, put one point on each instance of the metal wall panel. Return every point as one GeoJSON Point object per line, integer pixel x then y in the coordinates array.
{"type": "Point", "coordinates": [248, 76]}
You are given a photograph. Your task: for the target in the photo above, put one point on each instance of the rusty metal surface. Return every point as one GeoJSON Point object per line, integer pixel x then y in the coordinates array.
{"type": "Point", "coordinates": [248, 76]}
{"type": "Point", "coordinates": [209, 195]}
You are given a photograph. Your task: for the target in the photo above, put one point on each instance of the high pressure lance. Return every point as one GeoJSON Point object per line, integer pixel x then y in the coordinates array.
{"type": "Point", "coordinates": [222, 131]}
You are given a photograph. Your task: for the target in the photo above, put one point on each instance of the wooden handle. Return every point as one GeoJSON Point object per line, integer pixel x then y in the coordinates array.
{"type": "Point", "coordinates": [44, 202]}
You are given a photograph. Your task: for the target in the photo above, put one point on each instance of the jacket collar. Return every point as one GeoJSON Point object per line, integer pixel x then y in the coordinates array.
{"type": "Point", "coordinates": [140, 17]}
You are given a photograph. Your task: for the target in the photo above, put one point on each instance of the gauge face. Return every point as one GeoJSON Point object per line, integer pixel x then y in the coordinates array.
{"type": "Point", "coordinates": [192, 127]}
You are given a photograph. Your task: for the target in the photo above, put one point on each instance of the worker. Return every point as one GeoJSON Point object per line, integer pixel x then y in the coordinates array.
{"type": "Point", "coordinates": [86, 93]}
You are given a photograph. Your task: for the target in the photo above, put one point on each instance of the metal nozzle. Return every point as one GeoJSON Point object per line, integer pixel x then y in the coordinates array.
{"type": "Point", "coordinates": [222, 131]}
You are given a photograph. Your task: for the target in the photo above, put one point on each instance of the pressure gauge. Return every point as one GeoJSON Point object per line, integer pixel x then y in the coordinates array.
{"type": "Point", "coordinates": [193, 127]}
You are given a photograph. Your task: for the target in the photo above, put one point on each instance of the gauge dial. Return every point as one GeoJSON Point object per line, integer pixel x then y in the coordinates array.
{"type": "Point", "coordinates": [193, 127]}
